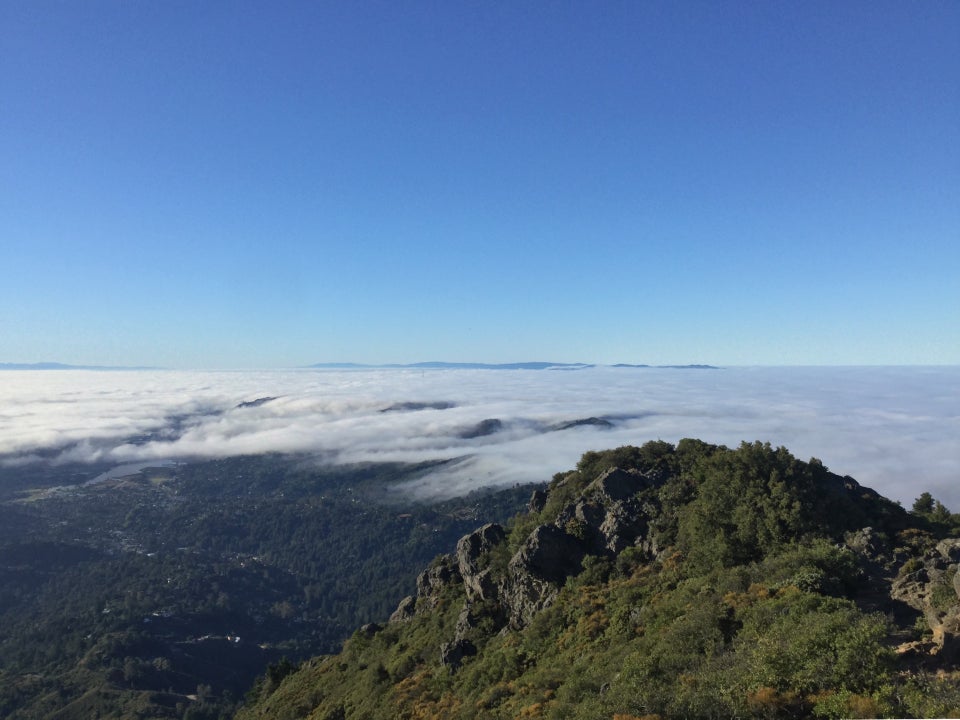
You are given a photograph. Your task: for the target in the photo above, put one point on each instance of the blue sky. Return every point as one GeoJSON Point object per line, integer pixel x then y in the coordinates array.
{"type": "Point", "coordinates": [240, 184]}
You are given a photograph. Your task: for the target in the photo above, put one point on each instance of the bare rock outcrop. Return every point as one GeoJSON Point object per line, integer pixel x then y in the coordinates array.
{"type": "Point", "coordinates": [550, 554]}
{"type": "Point", "coordinates": [537, 571]}
{"type": "Point", "coordinates": [472, 550]}
{"type": "Point", "coordinates": [538, 500]}
{"type": "Point", "coordinates": [606, 517]}
{"type": "Point", "coordinates": [869, 544]}
{"type": "Point", "coordinates": [609, 517]}
{"type": "Point", "coordinates": [406, 610]}
{"type": "Point", "coordinates": [624, 525]}
{"type": "Point", "coordinates": [617, 485]}
{"type": "Point", "coordinates": [442, 573]}
{"type": "Point", "coordinates": [931, 586]}
{"type": "Point", "coordinates": [431, 583]}
{"type": "Point", "coordinates": [452, 653]}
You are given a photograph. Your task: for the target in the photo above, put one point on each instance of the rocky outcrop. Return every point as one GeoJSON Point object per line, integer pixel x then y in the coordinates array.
{"type": "Point", "coordinates": [550, 554]}
{"type": "Point", "coordinates": [931, 586]}
{"type": "Point", "coordinates": [624, 525]}
{"type": "Point", "coordinates": [431, 583]}
{"type": "Point", "coordinates": [617, 485]}
{"type": "Point", "coordinates": [869, 544]}
{"type": "Point", "coordinates": [472, 550]}
{"type": "Point", "coordinates": [452, 653]}
{"type": "Point", "coordinates": [538, 501]}
{"type": "Point", "coordinates": [537, 571]}
{"type": "Point", "coordinates": [406, 610]}
{"type": "Point", "coordinates": [606, 517]}
{"type": "Point", "coordinates": [442, 573]}
{"type": "Point", "coordinates": [949, 550]}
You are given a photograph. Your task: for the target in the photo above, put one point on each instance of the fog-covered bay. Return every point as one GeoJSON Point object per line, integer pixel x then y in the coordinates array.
{"type": "Point", "coordinates": [895, 429]}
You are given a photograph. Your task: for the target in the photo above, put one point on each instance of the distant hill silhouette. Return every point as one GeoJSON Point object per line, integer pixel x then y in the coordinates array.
{"type": "Point", "coordinates": [438, 365]}
{"type": "Point", "coordinates": [64, 366]}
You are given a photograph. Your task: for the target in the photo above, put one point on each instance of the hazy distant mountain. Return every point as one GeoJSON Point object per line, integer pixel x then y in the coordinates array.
{"type": "Point", "coordinates": [62, 366]}
{"type": "Point", "coordinates": [498, 366]}
{"type": "Point", "coordinates": [429, 365]}
{"type": "Point", "coordinates": [671, 367]}
{"type": "Point", "coordinates": [432, 365]}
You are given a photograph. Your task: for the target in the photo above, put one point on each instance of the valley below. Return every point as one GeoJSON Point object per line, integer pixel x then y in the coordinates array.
{"type": "Point", "coordinates": [165, 592]}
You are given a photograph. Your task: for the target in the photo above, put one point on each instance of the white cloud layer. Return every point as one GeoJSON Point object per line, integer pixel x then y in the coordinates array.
{"type": "Point", "coordinates": [894, 429]}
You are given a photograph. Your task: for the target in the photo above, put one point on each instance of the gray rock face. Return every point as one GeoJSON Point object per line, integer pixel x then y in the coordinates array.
{"type": "Point", "coordinates": [537, 571]}
{"type": "Point", "coordinates": [616, 484]}
{"type": "Point", "coordinates": [453, 653]}
{"type": "Point", "coordinates": [868, 543]}
{"type": "Point", "coordinates": [606, 518]}
{"type": "Point", "coordinates": [471, 548]}
{"type": "Point", "coordinates": [934, 589]}
{"type": "Point", "coordinates": [550, 554]}
{"type": "Point", "coordinates": [430, 584]}
{"type": "Point", "coordinates": [405, 610]}
{"type": "Point", "coordinates": [949, 549]}
{"type": "Point", "coordinates": [524, 595]}
{"type": "Point", "coordinates": [623, 525]}
{"type": "Point", "coordinates": [538, 500]}
{"type": "Point", "coordinates": [609, 517]}
{"type": "Point", "coordinates": [441, 574]}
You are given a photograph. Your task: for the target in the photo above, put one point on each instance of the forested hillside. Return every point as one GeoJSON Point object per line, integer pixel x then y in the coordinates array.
{"type": "Point", "coordinates": [666, 581]}
{"type": "Point", "coordinates": [166, 592]}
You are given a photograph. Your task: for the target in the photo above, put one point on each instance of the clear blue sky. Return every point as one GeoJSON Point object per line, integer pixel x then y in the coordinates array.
{"type": "Point", "coordinates": [250, 184]}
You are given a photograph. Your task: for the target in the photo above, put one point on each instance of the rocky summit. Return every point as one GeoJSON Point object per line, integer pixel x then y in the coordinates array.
{"type": "Point", "coordinates": [667, 581]}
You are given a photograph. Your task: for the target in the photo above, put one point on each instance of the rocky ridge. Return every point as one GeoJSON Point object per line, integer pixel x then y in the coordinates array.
{"type": "Point", "coordinates": [618, 510]}
{"type": "Point", "coordinates": [668, 581]}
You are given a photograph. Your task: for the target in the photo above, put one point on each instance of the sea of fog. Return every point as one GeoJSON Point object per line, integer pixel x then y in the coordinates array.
{"type": "Point", "coordinates": [896, 429]}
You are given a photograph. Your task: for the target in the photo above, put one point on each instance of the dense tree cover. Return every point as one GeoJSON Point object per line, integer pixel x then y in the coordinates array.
{"type": "Point", "coordinates": [752, 606]}
{"type": "Point", "coordinates": [166, 593]}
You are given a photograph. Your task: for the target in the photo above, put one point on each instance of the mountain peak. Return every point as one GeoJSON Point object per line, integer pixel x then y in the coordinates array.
{"type": "Point", "coordinates": [666, 580]}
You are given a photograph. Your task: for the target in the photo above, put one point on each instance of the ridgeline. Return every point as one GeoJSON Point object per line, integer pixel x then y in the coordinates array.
{"type": "Point", "coordinates": [665, 581]}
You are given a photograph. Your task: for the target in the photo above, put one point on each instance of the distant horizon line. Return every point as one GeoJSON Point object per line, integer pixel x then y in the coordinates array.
{"type": "Point", "coordinates": [529, 365]}
{"type": "Point", "coordinates": [442, 365]}
{"type": "Point", "coordinates": [426, 365]}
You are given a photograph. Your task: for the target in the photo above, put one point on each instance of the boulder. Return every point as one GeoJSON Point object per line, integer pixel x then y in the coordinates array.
{"type": "Point", "coordinates": [524, 595]}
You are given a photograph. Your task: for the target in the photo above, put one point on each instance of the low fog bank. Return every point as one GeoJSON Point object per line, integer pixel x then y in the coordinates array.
{"type": "Point", "coordinates": [893, 429]}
